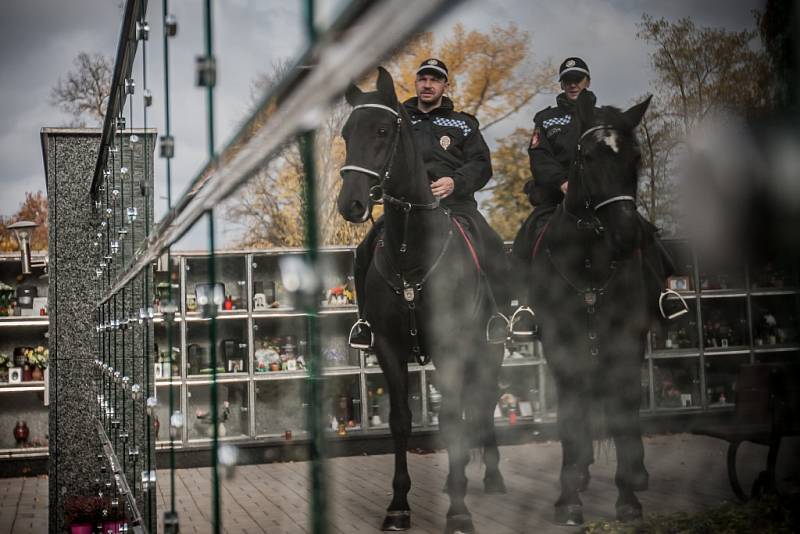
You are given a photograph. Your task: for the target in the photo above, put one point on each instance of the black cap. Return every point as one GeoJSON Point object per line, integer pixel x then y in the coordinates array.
{"type": "Point", "coordinates": [433, 66]}
{"type": "Point", "coordinates": [573, 64]}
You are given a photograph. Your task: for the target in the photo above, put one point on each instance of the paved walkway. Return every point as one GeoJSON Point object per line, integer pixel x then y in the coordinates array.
{"type": "Point", "coordinates": [687, 473]}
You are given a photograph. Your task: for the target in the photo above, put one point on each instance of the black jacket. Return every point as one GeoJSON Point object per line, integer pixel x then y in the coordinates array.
{"type": "Point", "coordinates": [451, 144]}
{"type": "Point", "coordinates": [551, 151]}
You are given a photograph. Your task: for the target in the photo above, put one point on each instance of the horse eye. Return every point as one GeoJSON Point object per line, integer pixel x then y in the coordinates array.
{"type": "Point", "coordinates": [381, 131]}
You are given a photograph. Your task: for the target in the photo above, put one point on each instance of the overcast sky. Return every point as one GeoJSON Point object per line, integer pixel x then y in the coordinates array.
{"type": "Point", "coordinates": [40, 38]}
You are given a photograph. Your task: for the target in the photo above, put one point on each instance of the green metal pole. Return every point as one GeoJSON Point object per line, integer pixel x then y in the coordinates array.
{"type": "Point", "coordinates": [212, 331]}
{"type": "Point", "coordinates": [317, 442]}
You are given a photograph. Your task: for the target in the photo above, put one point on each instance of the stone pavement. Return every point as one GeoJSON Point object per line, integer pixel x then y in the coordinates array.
{"type": "Point", "coordinates": [687, 473]}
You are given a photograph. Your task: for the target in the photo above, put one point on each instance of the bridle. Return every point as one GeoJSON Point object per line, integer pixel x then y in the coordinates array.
{"type": "Point", "coordinates": [377, 193]}
{"type": "Point", "coordinates": [593, 222]}
{"type": "Point", "coordinates": [410, 292]}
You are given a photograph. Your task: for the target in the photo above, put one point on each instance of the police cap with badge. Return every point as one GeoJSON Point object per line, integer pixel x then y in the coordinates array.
{"type": "Point", "coordinates": [433, 66]}
{"type": "Point", "coordinates": [573, 69]}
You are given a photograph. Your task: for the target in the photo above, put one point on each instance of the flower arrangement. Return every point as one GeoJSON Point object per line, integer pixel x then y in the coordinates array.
{"type": "Point", "coordinates": [37, 357]}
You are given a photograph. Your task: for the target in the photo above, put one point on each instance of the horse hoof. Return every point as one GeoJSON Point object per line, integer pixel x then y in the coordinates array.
{"type": "Point", "coordinates": [397, 520]}
{"type": "Point", "coordinates": [494, 485]}
{"type": "Point", "coordinates": [628, 512]}
{"type": "Point", "coordinates": [459, 524]}
{"type": "Point", "coordinates": [569, 514]}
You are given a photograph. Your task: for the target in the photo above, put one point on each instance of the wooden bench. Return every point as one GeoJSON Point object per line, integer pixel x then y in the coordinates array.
{"type": "Point", "coordinates": [767, 410]}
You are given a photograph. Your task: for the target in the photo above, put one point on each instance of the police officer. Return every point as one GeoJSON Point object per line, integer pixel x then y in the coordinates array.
{"type": "Point", "coordinates": [458, 164]}
{"type": "Point", "coordinates": [552, 150]}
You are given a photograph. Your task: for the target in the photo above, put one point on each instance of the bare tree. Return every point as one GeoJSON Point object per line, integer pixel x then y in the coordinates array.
{"type": "Point", "coordinates": [85, 90]}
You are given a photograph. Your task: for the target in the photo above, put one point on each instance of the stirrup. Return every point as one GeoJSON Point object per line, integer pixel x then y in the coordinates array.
{"type": "Point", "coordinates": [684, 307]}
{"type": "Point", "coordinates": [355, 339]}
{"type": "Point", "coordinates": [493, 339]}
{"type": "Point", "coordinates": [519, 315]}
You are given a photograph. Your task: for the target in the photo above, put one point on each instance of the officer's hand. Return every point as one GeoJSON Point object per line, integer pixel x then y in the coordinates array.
{"type": "Point", "coordinates": [564, 187]}
{"type": "Point", "coordinates": [443, 187]}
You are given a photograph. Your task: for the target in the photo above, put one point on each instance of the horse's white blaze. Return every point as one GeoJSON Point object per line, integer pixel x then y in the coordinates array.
{"type": "Point", "coordinates": [611, 141]}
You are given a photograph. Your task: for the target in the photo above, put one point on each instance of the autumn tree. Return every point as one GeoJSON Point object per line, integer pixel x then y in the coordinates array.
{"type": "Point", "coordinates": [660, 142]}
{"type": "Point", "coordinates": [508, 207]}
{"type": "Point", "coordinates": [269, 208]}
{"type": "Point", "coordinates": [492, 76]}
{"type": "Point", "coordinates": [34, 209]}
{"type": "Point", "coordinates": [705, 70]}
{"type": "Point", "coordinates": [85, 90]}
{"type": "Point", "coordinates": [699, 71]}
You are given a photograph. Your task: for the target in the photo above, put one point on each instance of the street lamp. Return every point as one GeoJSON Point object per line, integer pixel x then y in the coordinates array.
{"type": "Point", "coordinates": [23, 231]}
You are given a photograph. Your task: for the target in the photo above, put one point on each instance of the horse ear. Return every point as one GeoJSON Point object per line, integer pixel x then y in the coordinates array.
{"type": "Point", "coordinates": [585, 108]}
{"type": "Point", "coordinates": [385, 86]}
{"type": "Point", "coordinates": [353, 94]}
{"type": "Point", "coordinates": [634, 115]}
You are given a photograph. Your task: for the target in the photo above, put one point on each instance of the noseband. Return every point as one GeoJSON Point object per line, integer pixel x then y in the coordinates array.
{"type": "Point", "coordinates": [606, 202]}
{"type": "Point", "coordinates": [384, 174]}
{"type": "Point", "coordinates": [377, 193]}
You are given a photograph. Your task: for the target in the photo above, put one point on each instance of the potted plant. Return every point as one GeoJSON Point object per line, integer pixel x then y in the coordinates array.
{"type": "Point", "coordinates": [37, 359]}
{"type": "Point", "coordinates": [5, 364]}
{"type": "Point", "coordinates": [83, 512]}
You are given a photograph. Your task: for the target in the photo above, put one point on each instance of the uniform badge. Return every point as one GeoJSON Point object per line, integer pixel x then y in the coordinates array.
{"type": "Point", "coordinates": [570, 63]}
{"type": "Point", "coordinates": [535, 138]}
{"type": "Point", "coordinates": [444, 141]}
{"type": "Point", "coordinates": [432, 62]}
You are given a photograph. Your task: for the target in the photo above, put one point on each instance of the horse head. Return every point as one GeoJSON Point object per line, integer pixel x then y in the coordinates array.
{"type": "Point", "coordinates": [371, 134]}
{"type": "Point", "coordinates": [607, 169]}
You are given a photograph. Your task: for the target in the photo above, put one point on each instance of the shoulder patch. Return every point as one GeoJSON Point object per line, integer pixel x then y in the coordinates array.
{"type": "Point", "coordinates": [535, 138]}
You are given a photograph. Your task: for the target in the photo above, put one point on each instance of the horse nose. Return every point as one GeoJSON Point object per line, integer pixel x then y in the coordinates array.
{"type": "Point", "coordinates": [357, 210]}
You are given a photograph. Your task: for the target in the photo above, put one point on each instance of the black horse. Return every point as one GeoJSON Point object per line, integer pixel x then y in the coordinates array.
{"type": "Point", "coordinates": [589, 288]}
{"type": "Point", "coordinates": [424, 295]}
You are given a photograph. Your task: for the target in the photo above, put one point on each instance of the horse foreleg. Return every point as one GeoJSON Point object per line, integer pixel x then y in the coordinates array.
{"type": "Point", "coordinates": [395, 368]}
{"type": "Point", "coordinates": [573, 413]}
{"type": "Point", "coordinates": [484, 377]}
{"type": "Point", "coordinates": [622, 418]}
{"type": "Point", "coordinates": [450, 378]}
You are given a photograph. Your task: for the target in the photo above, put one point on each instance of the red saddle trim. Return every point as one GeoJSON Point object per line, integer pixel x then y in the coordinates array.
{"type": "Point", "coordinates": [470, 246]}
{"type": "Point", "coordinates": [540, 238]}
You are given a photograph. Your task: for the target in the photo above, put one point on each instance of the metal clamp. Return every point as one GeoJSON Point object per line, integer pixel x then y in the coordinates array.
{"type": "Point", "coordinates": [205, 71]}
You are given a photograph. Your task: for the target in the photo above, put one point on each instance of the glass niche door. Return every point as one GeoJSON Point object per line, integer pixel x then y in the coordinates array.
{"type": "Point", "coordinates": [282, 403]}
{"type": "Point", "coordinates": [232, 355]}
{"type": "Point", "coordinates": [232, 410]}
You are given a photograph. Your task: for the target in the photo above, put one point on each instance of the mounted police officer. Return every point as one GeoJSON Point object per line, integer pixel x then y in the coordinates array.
{"type": "Point", "coordinates": [458, 164]}
{"type": "Point", "coordinates": [552, 150]}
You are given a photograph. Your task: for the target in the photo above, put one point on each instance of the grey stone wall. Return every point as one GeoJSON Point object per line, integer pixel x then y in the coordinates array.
{"type": "Point", "coordinates": [76, 457]}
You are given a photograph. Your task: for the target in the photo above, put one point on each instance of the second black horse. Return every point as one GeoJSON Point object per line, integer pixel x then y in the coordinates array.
{"type": "Point", "coordinates": [588, 286]}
